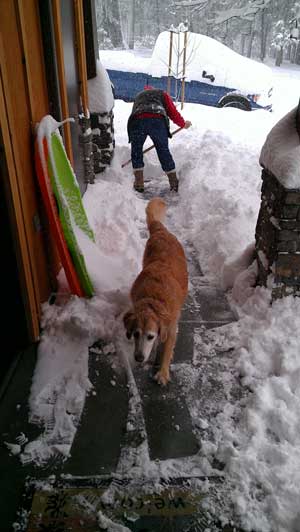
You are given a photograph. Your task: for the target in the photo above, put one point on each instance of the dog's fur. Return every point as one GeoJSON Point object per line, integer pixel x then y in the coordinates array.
{"type": "Point", "coordinates": [158, 292]}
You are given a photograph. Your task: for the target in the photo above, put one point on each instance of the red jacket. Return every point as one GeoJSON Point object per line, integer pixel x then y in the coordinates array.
{"type": "Point", "coordinates": [171, 110]}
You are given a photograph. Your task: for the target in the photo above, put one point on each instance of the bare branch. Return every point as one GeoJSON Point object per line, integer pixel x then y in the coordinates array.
{"type": "Point", "coordinates": [191, 3]}
{"type": "Point", "coordinates": [247, 12]}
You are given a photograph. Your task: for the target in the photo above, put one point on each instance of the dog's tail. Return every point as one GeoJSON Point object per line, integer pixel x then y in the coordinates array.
{"type": "Point", "coordinates": [155, 211]}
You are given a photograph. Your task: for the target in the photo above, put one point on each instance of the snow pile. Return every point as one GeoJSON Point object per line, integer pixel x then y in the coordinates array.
{"type": "Point", "coordinates": [115, 217]}
{"type": "Point", "coordinates": [71, 325]}
{"type": "Point", "coordinates": [240, 275]}
{"type": "Point", "coordinates": [60, 382]}
{"type": "Point", "coordinates": [110, 526]}
{"type": "Point", "coordinates": [101, 98]}
{"type": "Point", "coordinates": [281, 152]}
{"type": "Point", "coordinates": [220, 193]}
{"type": "Point", "coordinates": [262, 454]}
{"type": "Point", "coordinates": [124, 60]}
{"type": "Point", "coordinates": [229, 68]}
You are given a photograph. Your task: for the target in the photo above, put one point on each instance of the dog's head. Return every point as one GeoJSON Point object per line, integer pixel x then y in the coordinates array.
{"type": "Point", "coordinates": [146, 328]}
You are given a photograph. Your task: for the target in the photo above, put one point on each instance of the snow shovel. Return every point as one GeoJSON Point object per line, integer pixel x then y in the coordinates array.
{"type": "Point", "coordinates": [151, 147]}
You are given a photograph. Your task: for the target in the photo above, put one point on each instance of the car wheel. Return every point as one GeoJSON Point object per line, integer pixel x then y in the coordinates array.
{"type": "Point", "coordinates": [234, 100]}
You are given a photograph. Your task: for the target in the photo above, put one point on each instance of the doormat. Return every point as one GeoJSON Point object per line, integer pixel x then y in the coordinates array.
{"type": "Point", "coordinates": [91, 505]}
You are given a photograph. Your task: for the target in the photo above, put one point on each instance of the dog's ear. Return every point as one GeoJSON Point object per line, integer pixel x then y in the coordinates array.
{"type": "Point", "coordinates": [163, 332]}
{"type": "Point", "coordinates": [129, 321]}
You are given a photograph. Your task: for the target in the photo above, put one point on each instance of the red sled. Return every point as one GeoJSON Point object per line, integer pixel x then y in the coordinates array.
{"type": "Point", "coordinates": [54, 222]}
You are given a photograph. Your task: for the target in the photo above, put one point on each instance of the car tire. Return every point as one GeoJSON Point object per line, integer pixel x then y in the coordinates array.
{"type": "Point", "coordinates": [235, 100]}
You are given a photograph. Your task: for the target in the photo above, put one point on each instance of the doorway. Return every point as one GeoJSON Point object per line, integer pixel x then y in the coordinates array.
{"type": "Point", "coordinates": [14, 334]}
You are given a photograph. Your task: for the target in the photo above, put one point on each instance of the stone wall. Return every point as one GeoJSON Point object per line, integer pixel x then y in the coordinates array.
{"type": "Point", "coordinates": [103, 139]}
{"type": "Point", "coordinates": [86, 148]}
{"type": "Point", "coordinates": [96, 143]}
{"type": "Point", "coordinates": [278, 237]}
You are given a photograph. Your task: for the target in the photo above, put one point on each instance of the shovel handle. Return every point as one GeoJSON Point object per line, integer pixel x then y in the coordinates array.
{"type": "Point", "coordinates": [151, 147]}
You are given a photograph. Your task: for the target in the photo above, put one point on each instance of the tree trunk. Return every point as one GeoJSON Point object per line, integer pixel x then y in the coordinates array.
{"type": "Point", "coordinates": [297, 60]}
{"type": "Point", "coordinates": [132, 25]}
{"type": "Point", "coordinates": [158, 21]}
{"type": "Point", "coordinates": [112, 23]}
{"type": "Point", "coordinates": [243, 43]}
{"type": "Point", "coordinates": [279, 55]}
{"type": "Point", "coordinates": [250, 43]}
{"type": "Point", "coordinates": [264, 34]}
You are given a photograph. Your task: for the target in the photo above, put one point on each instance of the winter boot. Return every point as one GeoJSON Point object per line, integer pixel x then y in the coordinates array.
{"type": "Point", "coordinates": [138, 184]}
{"type": "Point", "coordinates": [173, 180]}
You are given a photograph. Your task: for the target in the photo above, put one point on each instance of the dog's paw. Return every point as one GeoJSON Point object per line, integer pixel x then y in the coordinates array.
{"type": "Point", "coordinates": [162, 377]}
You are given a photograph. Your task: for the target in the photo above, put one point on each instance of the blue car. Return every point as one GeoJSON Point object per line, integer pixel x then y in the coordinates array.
{"type": "Point", "coordinates": [214, 74]}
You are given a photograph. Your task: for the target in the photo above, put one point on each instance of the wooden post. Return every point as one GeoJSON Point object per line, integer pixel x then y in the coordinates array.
{"type": "Point", "coordinates": [170, 63]}
{"type": "Point", "coordinates": [81, 55]}
{"type": "Point", "coordinates": [183, 69]}
{"type": "Point", "coordinates": [56, 5]}
{"type": "Point", "coordinates": [177, 66]}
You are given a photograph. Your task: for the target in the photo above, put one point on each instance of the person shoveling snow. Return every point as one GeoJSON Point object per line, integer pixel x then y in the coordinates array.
{"type": "Point", "coordinates": [150, 115]}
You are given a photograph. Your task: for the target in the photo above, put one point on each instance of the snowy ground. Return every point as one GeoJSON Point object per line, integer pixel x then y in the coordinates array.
{"type": "Point", "coordinates": [286, 88]}
{"type": "Point", "coordinates": [257, 438]}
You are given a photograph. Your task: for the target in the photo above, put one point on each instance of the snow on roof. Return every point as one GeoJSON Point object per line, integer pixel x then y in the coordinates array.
{"type": "Point", "coordinates": [124, 60]}
{"type": "Point", "coordinates": [281, 151]}
{"type": "Point", "coordinates": [229, 68]}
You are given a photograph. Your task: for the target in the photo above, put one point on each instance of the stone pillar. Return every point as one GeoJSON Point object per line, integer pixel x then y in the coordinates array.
{"type": "Point", "coordinates": [103, 139]}
{"type": "Point", "coordinates": [86, 149]}
{"type": "Point", "coordinates": [278, 237]}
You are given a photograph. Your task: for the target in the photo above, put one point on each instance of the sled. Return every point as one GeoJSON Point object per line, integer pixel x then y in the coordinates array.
{"type": "Point", "coordinates": [63, 204]}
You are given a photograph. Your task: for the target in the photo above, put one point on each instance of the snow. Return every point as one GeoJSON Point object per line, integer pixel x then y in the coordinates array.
{"type": "Point", "coordinates": [124, 60]}
{"type": "Point", "coordinates": [101, 98]}
{"type": "Point", "coordinates": [281, 151]}
{"type": "Point", "coordinates": [229, 68]}
{"type": "Point", "coordinates": [45, 128]}
{"type": "Point", "coordinates": [107, 524]}
{"type": "Point", "coordinates": [257, 436]}
{"type": "Point", "coordinates": [244, 12]}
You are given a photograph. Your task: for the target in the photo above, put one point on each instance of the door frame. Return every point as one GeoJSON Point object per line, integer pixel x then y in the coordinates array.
{"type": "Point", "coordinates": [23, 102]}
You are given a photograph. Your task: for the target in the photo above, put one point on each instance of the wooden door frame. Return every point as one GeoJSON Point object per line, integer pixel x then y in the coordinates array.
{"type": "Point", "coordinates": [23, 102]}
{"type": "Point", "coordinates": [18, 223]}
{"type": "Point", "coordinates": [81, 55]}
{"type": "Point", "coordinates": [56, 5]}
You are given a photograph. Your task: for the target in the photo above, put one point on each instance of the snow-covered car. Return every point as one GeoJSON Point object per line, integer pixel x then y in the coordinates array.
{"type": "Point", "coordinates": [214, 74]}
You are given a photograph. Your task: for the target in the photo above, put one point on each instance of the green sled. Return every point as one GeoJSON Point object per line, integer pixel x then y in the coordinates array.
{"type": "Point", "coordinates": [70, 208]}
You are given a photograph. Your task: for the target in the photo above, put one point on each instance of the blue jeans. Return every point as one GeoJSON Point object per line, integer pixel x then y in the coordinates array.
{"type": "Point", "coordinates": [156, 128]}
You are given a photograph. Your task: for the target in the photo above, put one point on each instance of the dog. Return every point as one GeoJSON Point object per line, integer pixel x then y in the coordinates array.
{"type": "Point", "coordinates": [158, 293]}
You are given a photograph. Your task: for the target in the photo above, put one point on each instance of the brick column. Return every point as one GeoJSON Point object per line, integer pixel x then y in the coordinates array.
{"type": "Point", "coordinates": [103, 139]}
{"type": "Point", "coordinates": [277, 237]}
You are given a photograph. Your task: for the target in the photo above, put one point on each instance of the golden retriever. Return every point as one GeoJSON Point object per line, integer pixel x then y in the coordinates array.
{"type": "Point", "coordinates": [158, 292]}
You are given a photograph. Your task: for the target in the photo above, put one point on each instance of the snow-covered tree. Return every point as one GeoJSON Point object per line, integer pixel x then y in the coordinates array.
{"type": "Point", "coordinates": [248, 26]}
{"type": "Point", "coordinates": [109, 23]}
{"type": "Point", "coordinates": [280, 41]}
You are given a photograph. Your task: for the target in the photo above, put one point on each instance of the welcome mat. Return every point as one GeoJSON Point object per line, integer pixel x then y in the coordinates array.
{"type": "Point", "coordinates": [85, 504]}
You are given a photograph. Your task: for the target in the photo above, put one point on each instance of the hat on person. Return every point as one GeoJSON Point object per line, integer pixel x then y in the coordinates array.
{"type": "Point", "coordinates": [148, 88]}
